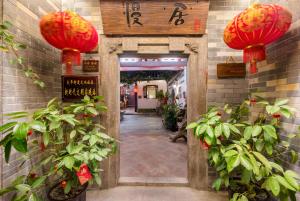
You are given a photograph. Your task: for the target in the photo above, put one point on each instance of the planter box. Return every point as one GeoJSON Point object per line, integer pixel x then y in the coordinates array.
{"type": "Point", "coordinates": [81, 196]}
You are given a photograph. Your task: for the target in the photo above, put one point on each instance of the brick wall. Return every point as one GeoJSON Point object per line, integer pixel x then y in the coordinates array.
{"type": "Point", "coordinates": [222, 91]}
{"type": "Point", "coordinates": [279, 75]}
{"type": "Point", "coordinates": [89, 9]}
{"type": "Point", "coordinates": [18, 93]}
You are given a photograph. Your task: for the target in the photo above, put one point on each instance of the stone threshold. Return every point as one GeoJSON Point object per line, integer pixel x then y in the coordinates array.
{"type": "Point", "coordinates": [153, 181]}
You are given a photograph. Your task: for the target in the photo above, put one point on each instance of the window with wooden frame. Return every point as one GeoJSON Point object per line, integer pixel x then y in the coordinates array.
{"type": "Point", "coordinates": [150, 91]}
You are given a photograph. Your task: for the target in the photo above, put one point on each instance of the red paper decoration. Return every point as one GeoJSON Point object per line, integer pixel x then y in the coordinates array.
{"type": "Point", "coordinates": [84, 174]}
{"type": "Point", "coordinates": [256, 27]}
{"type": "Point", "coordinates": [71, 33]}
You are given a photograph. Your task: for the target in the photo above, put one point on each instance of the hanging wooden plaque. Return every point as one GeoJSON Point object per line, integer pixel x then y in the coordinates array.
{"type": "Point", "coordinates": [74, 88]}
{"type": "Point", "coordinates": [231, 70]}
{"type": "Point", "coordinates": [90, 65]}
{"type": "Point", "coordinates": [154, 17]}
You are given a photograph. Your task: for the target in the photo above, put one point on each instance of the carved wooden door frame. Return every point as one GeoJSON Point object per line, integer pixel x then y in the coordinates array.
{"type": "Point", "coordinates": [196, 50]}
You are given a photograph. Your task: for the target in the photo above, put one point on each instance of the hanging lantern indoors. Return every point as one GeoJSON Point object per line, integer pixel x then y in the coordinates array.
{"type": "Point", "coordinates": [71, 33]}
{"type": "Point", "coordinates": [256, 27]}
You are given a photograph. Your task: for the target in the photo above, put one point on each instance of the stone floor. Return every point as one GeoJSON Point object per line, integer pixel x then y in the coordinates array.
{"type": "Point", "coordinates": [146, 150]}
{"type": "Point", "coordinates": [126, 193]}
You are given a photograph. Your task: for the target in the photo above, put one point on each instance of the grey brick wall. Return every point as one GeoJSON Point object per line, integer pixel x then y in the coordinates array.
{"type": "Point", "coordinates": [17, 92]}
{"type": "Point", "coordinates": [279, 75]}
{"type": "Point", "coordinates": [222, 91]}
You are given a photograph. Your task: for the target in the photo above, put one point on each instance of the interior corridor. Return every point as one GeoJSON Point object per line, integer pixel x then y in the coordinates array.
{"type": "Point", "coordinates": [147, 152]}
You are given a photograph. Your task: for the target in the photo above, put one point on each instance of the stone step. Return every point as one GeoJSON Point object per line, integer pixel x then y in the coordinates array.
{"type": "Point", "coordinates": [153, 181]}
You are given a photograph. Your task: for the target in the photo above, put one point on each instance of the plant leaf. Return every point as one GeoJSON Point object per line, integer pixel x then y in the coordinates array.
{"type": "Point", "coordinates": [281, 102]}
{"type": "Point", "coordinates": [38, 126]}
{"type": "Point", "coordinates": [20, 130]}
{"type": "Point", "coordinates": [226, 130]}
{"type": "Point", "coordinates": [218, 130]}
{"type": "Point", "coordinates": [283, 182]}
{"type": "Point", "coordinates": [246, 162]}
{"type": "Point", "coordinates": [69, 162]}
{"type": "Point", "coordinates": [210, 132]}
{"type": "Point", "coordinates": [217, 184]}
{"type": "Point", "coordinates": [38, 182]}
{"type": "Point", "coordinates": [270, 130]}
{"type": "Point", "coordinates": [248, 132]}
{"type": "Point", "coordinates": [20, 145]}
{"type": "Point", "coordinates": [192, 125]}
{"type": "Point", "coordinates": [7, 126]}
{"type": "Point", "coordinates": [262, 159]}
{"type": "Point", "coordinates": [7, 151]}
{"type": "Point", "coordinates": [233, 162]}
{"type": "Point", "coordinates": [256, 130]}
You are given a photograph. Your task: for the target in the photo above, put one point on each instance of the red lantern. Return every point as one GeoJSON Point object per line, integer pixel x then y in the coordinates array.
{"type": "Point", "coordinates": [256, 27]}
{"type": "Point", "coordinates": [71, 33]}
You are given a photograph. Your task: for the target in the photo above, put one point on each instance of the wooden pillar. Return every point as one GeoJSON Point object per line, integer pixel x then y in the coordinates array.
{"type": "Point", "coordinates": [196, 105]}
{"type": "Point", "coordinates": [110, 89]}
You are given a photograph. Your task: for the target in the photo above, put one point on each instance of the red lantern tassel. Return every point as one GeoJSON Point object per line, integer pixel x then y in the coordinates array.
{"type": "Point", "coordinates": [254, 54]}
{"type": "Point", "coordinates": [70, 57]}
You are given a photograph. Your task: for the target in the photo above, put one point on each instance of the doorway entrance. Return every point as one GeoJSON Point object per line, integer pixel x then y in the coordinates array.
{"type": "Point", "coordinates": [195, 48]}
{"type": "Point", "coordinates": [153, 119]}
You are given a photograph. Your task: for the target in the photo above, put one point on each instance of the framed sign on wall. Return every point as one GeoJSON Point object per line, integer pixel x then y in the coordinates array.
{"type": "Point", "coordinates": [74, 88]}
{"type": "Point", "coordinates": [90, 65]}
{"type": "Point", "coordinates": [154, 17]}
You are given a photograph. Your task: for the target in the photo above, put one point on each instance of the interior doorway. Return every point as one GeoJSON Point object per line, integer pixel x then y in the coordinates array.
{"type": "Point", "coordinates": [153, 118]}
{"type": "Point", "coordinates": [195, 48]}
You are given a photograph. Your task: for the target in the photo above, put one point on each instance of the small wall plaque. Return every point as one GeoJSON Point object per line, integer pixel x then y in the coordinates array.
{"type": "Point", "coordinates": [90, 66]}
{"type": "Point", "coordinates": [74, 88]}
{"type": "Point", "coordinates": [231, 70]}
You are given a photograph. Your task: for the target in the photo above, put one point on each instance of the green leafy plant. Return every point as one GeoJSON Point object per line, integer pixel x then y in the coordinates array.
{"type": "Point", "coordinates": [170, 115]}
{"type": "Point", "coordinates": [10, 45]}
{"type": "Point", "coordinates": [68, 138]}
{"type": "Point", "coordinates": [248, 155]}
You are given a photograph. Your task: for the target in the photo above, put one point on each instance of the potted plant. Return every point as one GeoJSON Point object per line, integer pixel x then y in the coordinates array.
{"type": "Point", "coordinates": [170, 114]}
{"type": "Point", "coordinates": [248, 155]}
{"type": "Point", "coordinates": [71, 144]}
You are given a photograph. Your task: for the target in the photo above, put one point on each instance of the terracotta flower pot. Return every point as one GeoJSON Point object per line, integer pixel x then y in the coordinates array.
{"type": "Point", "coordinates": [56, 193]}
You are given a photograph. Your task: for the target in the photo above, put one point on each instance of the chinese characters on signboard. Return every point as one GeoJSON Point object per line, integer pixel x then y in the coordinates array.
{"type": "Point", "coordinates": [137, 17]}
{"type": "Point", "coordinates": [76, 87]}
{"type": "Point", "coordinates": [133, 13]}
{"type": "Point", "coordinates": [90, 66]}
{"type": "Point", "coordinates": [178, 15]}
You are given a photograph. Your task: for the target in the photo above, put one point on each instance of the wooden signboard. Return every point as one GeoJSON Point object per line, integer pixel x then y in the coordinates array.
{"type": "Point", "coordinates": [74, 88]}
{"type": "Point", "coordinates": [90, 65]}
{"type": "Point", "coordinates": [231, 70]}
{"type": "Point", "coordinates": [154, 17]}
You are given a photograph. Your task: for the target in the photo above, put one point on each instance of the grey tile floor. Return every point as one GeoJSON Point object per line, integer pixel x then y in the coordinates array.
{"type": "Point", "coordinates": [126, 193]}
{"type": "Point", "coordinates": [146, 150]}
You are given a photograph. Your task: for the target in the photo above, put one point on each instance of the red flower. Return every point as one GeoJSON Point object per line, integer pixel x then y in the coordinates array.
{"type": "Point", "coordinates": [42, 146]}
{"type": "Point", "coordinates": [29, 133]}
{"type": "Point", "coordinates": [84, 174]}
{"type": "Point", "coordinates": [276, 116]}
{"type": "Point", "coordinates": [253, 101]}
{"type": "Point", "coordinates": [63, 184]}
{"type": "Point", "coordinates": [221, 138]}
{"type": "Point", "coordinates": [33, 175]}
{"type": "Point", "coordinates": [204, 145]}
